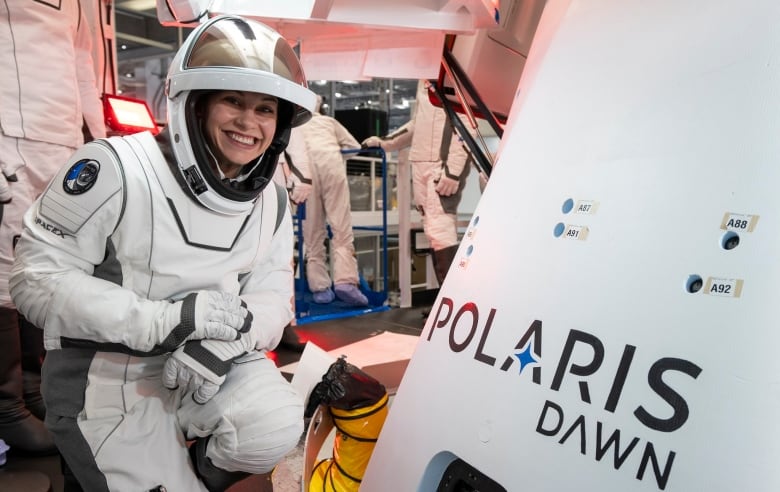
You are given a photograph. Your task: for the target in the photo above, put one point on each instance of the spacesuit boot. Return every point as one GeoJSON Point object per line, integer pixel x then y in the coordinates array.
{"type": "Point", "coordinates": [32, 362]}
{"type": "Point", "coordinates": [215, 479]}
{"type": "Point", "coordinates": [18, 427]}
{"type": "Point", "coordinates": [442, 259]}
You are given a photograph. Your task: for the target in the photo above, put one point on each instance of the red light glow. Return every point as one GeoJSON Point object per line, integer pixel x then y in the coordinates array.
{"type": "Point", "coordinates": [125, 116]}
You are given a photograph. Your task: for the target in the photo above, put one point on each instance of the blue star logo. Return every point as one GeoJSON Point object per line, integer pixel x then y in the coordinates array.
{"type": "Point", "coordinates": [525, 358]}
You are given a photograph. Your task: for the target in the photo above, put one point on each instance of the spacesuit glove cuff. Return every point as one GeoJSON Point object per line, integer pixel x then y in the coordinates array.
{"type": "Point", "coordinates": [212, 358]}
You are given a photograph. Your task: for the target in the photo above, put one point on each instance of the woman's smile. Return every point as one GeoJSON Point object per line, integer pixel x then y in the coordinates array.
{"type": "Point", "coordinates": [241, 139]}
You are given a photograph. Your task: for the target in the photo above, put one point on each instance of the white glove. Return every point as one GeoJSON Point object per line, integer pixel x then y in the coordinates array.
{"type": "Point", "coordinates": [446, 186]}
{"type": "Point", "coordinates": [5, 190]}
{"type": "Point", "coordinates": [206, 314]}
{"type": "Point", "coordinates": [372, 142]}
{"type": "Point", "coordinates": [200, 366]}
{"type": "Point", "coordinates": [299, 191]}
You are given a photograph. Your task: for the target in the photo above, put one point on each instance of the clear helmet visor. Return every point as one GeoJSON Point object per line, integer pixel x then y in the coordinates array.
{"type": "Point", "coordinates": [236, 43]}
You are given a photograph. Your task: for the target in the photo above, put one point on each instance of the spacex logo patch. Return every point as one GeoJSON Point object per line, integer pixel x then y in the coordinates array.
{"type": "Point", "coordinates": [81, 176]}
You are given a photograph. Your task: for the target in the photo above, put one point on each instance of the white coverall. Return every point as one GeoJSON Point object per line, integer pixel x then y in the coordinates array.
{"type": "Point", "coordinates": [47, 91]}
{"type": "Point", "coordinates": [431, 157]}
{"type": "Point", "coordinates": [95, 270]}
{"type": "Point", "coordinates": [328, 204]}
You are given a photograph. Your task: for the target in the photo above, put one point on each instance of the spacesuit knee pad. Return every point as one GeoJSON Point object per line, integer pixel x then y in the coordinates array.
{"type": "Point", "coordinates": [261, 420]}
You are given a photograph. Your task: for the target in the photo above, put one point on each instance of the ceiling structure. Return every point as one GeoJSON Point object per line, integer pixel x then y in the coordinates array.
{"type": "Point", "coordinates": [145, 47]}
{"type": "Point", "coordinates": [139, 34]}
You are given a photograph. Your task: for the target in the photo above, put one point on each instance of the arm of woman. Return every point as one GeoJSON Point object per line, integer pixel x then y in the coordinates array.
{"type": "Point", "coordinates": [63, 279]}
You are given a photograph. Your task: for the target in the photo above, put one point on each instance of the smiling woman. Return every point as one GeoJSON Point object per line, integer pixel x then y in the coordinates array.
{"type": "Point", "coordinates": [183, 249]}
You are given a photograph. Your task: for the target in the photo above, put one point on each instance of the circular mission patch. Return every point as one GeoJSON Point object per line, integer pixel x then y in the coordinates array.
{"type": "Point", "coordinates": [81, 176]}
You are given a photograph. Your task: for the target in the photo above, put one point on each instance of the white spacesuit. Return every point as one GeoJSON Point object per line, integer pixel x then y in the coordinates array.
{"type": "Point", "coordinates": [147, 270]}
{"type": "Point", "coordinates": [440, 164]}
{"type": "Point", "coordinates": [329, 205]}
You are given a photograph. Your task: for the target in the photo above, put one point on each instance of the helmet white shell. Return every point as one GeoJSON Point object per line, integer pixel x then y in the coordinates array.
{"type": "Point", "coordinates": [232, 53]}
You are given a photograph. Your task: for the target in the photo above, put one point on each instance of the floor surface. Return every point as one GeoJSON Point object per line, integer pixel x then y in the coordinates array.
{"type": "Point", "coordinates": [21, 474]}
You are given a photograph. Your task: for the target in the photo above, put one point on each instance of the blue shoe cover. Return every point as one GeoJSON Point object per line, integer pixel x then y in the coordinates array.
{"type": "Point", "coordinates": [351, 295]}
{"type": "Point", "coordinates": [323, 296]}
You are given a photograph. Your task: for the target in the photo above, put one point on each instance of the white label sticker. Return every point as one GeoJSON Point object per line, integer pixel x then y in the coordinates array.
{"type": "Point", "coordinates": [738, 222]}
{"type": "Point", "coordinates": [724, 287]}
{"type": "Point", "coordinates": [580, 233]}
{"type": "Point", "coordinates": [586, 207]}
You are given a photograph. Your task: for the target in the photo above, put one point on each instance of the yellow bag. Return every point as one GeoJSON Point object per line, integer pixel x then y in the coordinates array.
{"type": "Point", "coordinates": [358, 412]}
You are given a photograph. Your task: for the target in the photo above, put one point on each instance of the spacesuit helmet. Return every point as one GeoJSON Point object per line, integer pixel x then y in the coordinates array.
{"type": "Point", "coordinates": [232, 53]}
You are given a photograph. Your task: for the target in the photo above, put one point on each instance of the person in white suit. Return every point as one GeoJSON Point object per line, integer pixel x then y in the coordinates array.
{"type": "Point", "coordinates": [440, 164]}
{"type": "Point", "coordinates": [159, 270]}
{"type": "Point", "coordinates": [48, 93]}
{"type": "Point", "coordinates": [328, 205]}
